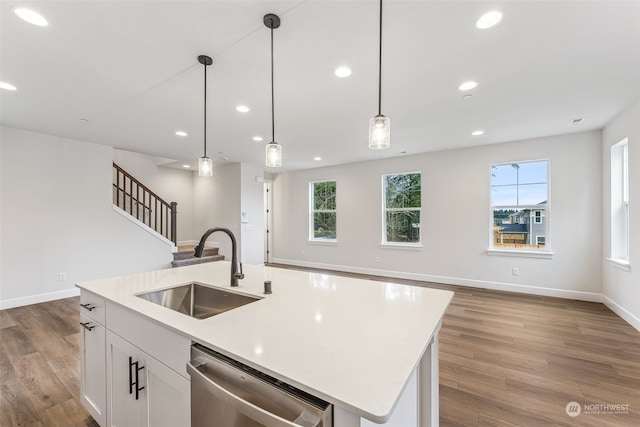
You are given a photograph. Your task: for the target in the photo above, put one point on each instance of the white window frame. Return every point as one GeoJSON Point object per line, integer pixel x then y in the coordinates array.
{"type": "Point", "coordinates": [312, 211]}
{"type": "Point", "coordinates": [537, 215]}
{"type": "Point", "coordinates": [385, 242]}
{"type": "Point", "coordinates": [528, 253]}
{"type": "Point", "coordinates": [620, 221]}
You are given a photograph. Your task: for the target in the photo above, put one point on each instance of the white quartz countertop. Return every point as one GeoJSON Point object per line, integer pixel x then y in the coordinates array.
{"type": "Point", "coordinates": [349, 341]}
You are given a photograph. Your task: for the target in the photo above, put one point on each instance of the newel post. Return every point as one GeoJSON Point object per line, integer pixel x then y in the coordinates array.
{"type": "Point", "coordinates": [174, 222]}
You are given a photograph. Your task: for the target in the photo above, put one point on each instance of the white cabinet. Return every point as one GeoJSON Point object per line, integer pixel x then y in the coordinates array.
{"type": "Point", "coordinates": [93, 389]}
{"type": "Point", "coordinates": [143, 391]}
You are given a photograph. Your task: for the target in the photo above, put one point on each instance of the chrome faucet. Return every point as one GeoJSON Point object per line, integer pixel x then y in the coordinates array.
{"type": "Point", "coordinates": [236, 265]}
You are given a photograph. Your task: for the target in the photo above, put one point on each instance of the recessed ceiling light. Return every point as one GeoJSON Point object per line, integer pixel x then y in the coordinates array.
{"type": "Point", "coordinates": [343, 72]}
{"type": "Point", "coordinates": [477, 132]}
{"type": "Point", "coordinates": [575, 122]}
{"type": "Point", "coordinates": [242, 108]}
{"type": "Point", "coordinates": [489, 19]}
{"type": "Point", "coordinates": [317, 158]}
{"type": "Point", "coordinates": [468, 85]}
{"type": "Point", "coordinates": [31, 16]}
{"type": "Point", "coordinates": [181, 133]}
{"type": "Point", "coordinates": [85, 121]}
{"type": "Point", "coordinates": [257, 138]}
{"type": "Point", "coordinates": [7, 86]}
{"type": "Point", "coordinates": [186, 166]}
{"type": "Point", "coordinates": [467, 96]}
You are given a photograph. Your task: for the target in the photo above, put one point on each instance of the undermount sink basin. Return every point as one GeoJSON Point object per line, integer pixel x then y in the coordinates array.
{"type": "Point", "coordinates": [197, 300]}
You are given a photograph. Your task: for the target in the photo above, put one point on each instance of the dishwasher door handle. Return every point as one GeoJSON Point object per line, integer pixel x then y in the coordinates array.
{"type": "Point", "coordinates": [247, 408]}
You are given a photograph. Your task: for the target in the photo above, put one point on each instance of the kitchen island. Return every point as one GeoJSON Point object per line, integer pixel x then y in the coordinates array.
{"type": "Point", "coordinates": [367, 347]}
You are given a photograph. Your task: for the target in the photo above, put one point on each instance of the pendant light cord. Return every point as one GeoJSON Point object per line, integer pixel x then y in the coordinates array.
{"type": "Point", "coordinates": [380, 66]}
{"type": "Point", "coordinates": [205, 110]}
{"type": "Point", "coordinates": [273, 126]}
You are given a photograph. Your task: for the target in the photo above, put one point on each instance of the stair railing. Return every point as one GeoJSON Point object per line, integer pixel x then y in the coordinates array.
{"type": "Point", "coordinates": [140, 202]}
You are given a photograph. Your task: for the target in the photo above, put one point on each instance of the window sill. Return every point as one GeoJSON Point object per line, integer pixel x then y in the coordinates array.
{"type": "Point", "coordinates": [523, 254]}
{"type": "Point", "coordinates": [621, 264]}
{"type": "Point", "coordinates": [401, 246]}
{"type": "Point", "coordinates": [326, 242]}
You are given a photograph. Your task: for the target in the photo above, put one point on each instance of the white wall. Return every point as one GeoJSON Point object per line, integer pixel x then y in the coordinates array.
{"type": "Point", "coordinates": [57, 217]}
{"type": "Point", "coordinates": [622, 288]}
{"type": "Point", "coordinates": [173, 185]}
{"type": "Point", "coordinates": [455, 218]}
{"type": "Point", "coordinates": [216, 203]}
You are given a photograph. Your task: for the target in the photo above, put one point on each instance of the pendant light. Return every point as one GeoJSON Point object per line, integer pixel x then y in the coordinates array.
{"type": "Point", "coordinates": [380, 126]}
{"type": "Point", "coordinates": [205, 164]}
{"type": "Point", "coordinates": [273, 153]}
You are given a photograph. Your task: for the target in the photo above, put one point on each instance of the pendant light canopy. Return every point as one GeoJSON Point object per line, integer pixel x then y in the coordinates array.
{"type": "Point", "coordinates": [205, 164]}
{"type": "Point", "coordinates": [379, 125]}
{"type": "Point", "coordinates": [273, 153]}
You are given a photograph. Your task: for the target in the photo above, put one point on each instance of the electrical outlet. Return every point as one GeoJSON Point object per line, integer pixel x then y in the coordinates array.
{"type": "Point", "coordinates": [377, 259]}
{"type": "Point", "coordinates": [515, 271]}
{"type": "Point", "coordinates": [62, 277]}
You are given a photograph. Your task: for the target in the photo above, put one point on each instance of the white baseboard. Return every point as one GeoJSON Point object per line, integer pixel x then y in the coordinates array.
{"type": "Point", "coordinates": [629, 317]}
{"type": "Point", "coordinates": [35, 299]}
{"type": "Point", "coordinates": [498, 286]}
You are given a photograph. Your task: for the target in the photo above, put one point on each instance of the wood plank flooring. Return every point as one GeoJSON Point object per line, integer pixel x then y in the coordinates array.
{"type": "Point", "coordinates": [505, 360]}
{"type": "Point", "coordinates": [40, 366]}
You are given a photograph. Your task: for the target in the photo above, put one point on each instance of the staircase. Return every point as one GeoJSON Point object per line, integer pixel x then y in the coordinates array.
{"type": "Point", "coordinates": [184, 256]}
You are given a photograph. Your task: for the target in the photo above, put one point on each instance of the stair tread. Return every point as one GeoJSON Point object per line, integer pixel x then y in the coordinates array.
{"type": "Point", "coordinates": [188, 253]}
{"type": "Point", "coordinates": [194, 260]}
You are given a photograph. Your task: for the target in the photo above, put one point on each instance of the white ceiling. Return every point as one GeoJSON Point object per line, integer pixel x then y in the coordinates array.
{"type": "Point", "coordinates": [130, 68]}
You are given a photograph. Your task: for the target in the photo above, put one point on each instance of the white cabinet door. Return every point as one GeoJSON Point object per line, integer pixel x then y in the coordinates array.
{"type": "Point", "coordinates": [124, 409]}
{"type": "Point", "coordinates": [142, 391]}
{"type": "Point", "coordinates": [93, 388]}
{"type": "Point", "coordinates": [168, 396]}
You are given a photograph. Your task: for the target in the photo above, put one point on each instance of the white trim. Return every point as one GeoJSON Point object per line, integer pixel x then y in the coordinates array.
{"type": "Point", "coordinates": [35, 299]}
{"type": "Point", "coordinates": [402, 246]}
{"type": "Point", "coordinates": [321, 242]}
{"type": "Point", "coordinates": [520, 253]}
{"type": "Point", "coordinates": [622, 264]}
{"type": "Point", "coordinates": [498, 286]}
{"type": "Point", "coordinates": [146, 228]}
{"type": "Point", "coordinates": [629, 317]}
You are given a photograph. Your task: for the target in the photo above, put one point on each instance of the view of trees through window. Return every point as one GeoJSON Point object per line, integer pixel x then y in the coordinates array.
{"type": "Point", "coordinates": [402, 198]}
{"type": "Point", "coordinates": [519, 194]}
{"type": "Point", "coordinates": [323, 210]}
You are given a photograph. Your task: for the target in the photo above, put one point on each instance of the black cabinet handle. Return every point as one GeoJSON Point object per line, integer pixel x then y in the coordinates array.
{"type": "Point", "coordinates": [86, 326]}
{"type": "Point", "coordinates": [88, 306]}
{"type": "Point", "coordinates": [134, 366]}
{"type": "Point", "coordinates": [138, 389]}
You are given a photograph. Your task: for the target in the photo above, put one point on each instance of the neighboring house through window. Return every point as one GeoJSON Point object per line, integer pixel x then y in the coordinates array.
{"type": "Point", "coordinates": [322, 211]}
{"type": "Point", "coordinates": [402, 202]}
{"type": "Point", "coordinates": [519, 205]}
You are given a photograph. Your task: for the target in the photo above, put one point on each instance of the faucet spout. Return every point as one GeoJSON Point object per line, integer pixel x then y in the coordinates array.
{"type": "Point", "coordinates": [236, 265]}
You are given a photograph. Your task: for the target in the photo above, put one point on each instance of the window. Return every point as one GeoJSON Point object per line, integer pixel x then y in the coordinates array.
{"type": "Point", "coordinates": [519, 206]}
{"type": "Point", "coordinates": [322, 211]}
{"type": "Point", "coordinates": [620, 201]}
{"type": "Point", "coordinates": [402, 203]}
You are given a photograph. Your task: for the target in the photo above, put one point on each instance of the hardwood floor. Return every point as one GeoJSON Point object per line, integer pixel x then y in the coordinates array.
{"type": "Point", "coordinates": [505, 360]}
{"type": "Point", "coordinates": [40, 366]}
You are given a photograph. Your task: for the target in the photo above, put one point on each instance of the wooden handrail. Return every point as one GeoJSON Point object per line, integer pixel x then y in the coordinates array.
{"type": "Point", "coordinates": [167, 225]}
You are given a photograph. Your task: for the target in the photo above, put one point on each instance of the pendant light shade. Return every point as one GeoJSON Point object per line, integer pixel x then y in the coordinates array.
{"type": "Point", "coordinates": [379, 125]}
{"type": "Point", "coordinates": [205, 164]}
{"type": "Point", "coordinates": [273, 152]}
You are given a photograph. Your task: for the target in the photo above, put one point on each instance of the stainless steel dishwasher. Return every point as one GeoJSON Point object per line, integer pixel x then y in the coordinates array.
{"type": "Point", "coordinates": [226, 393]}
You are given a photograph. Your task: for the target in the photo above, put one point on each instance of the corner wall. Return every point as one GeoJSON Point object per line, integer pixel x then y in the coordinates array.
{"type": "Point", "coordinates": [455, 219]}
{"type": "Point", "coordinates": [57, 217]}
{"type": "Point", "coordinates": [622, 288]}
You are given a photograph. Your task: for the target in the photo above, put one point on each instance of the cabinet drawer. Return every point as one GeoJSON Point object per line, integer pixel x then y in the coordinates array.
{"type": "Point", "coordinates": [166, 346]}
{"type": "Point", "coordinates": [92, 306]}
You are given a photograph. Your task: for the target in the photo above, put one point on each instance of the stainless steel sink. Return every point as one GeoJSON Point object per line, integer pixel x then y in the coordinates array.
{"type": "Point", "coordinates": [197, 300]}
